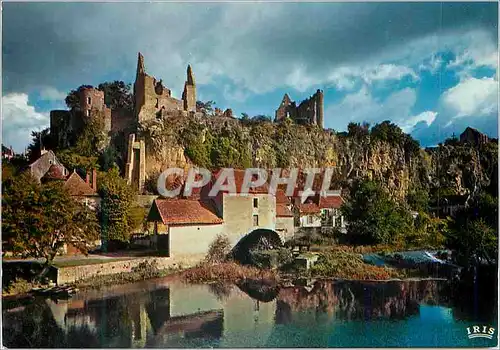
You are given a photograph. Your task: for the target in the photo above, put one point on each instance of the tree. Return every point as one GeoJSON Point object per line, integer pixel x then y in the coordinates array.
{"type": "Point", "coordinates": [92, 138]}
{"type": "Point", "coordinates": [418, 200]}
{"type": "Point", "coordinates": [373, 216]}
{"type": "Point", "coordinates": [473, 233]}
{"type": "Point", "coordinates": [388, 132]}
{"type": "Point", "coordinates": [358, 131]}
{"type": "Point", "coordinates": [117, 94]}
{"type": "Point", "coordinates": [206, 108]}
{"type": "Point", "coordinates": [39, 219]}
{"type": "Point", "coordinates": [116, 206]}
{"type": "Point", "coordinates": [35, 146]}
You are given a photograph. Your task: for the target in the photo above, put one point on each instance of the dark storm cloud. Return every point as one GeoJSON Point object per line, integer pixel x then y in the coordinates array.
{"type": "Point", "coordinates": [255, 44]}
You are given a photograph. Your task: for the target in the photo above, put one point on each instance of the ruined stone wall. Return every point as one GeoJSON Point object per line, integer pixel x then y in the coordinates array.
{"type": "Point", "coordinates": [309, 112]}
{"type": "Point", "coordinates": [121, 119]}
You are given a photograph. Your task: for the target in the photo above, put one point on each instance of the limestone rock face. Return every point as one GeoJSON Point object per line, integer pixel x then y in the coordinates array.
{"type": "Point", "coordinates": [287, 145]}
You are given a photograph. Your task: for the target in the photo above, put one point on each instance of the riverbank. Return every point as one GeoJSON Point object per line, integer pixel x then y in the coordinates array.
{"type": "Point", "coordinates": [340, 265]}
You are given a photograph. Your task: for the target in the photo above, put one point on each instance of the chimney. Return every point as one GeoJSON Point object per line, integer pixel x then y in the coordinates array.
{"type": "Point", "coordinates": [87, 178]}
{"type": "Point", "coordinates": [43, 151]}
{"type": "Point", "coordinates": [94, 179]}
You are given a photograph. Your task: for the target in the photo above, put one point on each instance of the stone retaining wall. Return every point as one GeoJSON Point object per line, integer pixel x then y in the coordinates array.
{"type": "Point", "coordinates": [76, 273]}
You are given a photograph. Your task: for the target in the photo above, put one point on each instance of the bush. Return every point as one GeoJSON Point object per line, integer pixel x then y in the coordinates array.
{"type": "Point", "coordinates": [219, 250]}
{"type": "Point", "coordinates": [268, 259]}
{"type": "Point", "coordinates": [348, 266]}
{"type": "Point", "coordinates": [148, 269]}
{"type": "Point", "coordinates": [226, 272]}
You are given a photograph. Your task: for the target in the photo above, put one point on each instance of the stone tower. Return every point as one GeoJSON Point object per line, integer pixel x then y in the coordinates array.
{"type": "Point", "coordinates": [189, 94]}
{"type": "Point", "coordinates": [319, 107]}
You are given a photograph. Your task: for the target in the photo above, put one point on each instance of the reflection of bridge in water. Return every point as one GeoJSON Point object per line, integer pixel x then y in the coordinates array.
{"type": "Point", "coordinates": [164, 313]}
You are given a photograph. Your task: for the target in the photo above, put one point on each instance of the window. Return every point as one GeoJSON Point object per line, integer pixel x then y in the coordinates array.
{"type": "Point", "coordinates": [88, 112]}
{"type": "Point", "coordinates": [256, 202]}
{"type": "Point", "coordinates": [89, 100]}
{"type": "Point", "coordinates": [309, 219]}
{"type": "Point", "coordinates": [256, 220]}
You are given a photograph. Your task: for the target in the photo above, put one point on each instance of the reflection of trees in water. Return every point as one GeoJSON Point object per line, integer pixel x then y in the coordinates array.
{"type": "Point", "coordinates": [358, 300]}
{"type": "Point", "coordinates": [221, 290]}
{"type": "Point", "coordinates": [35, 327]}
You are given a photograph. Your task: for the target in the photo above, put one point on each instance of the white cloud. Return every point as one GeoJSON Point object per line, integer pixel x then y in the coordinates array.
{"type": "Point", "coordinates": [19, 119]}
{"type": "Point", "coordinates": [361, 106]}
{"type": "Point", "coordinates": [433, 64]}
{"type": "Point", "coordinates": [472, 97]}
{"type": "Point", "coordinates": [427, 117]}
{"type": "Point", "coordinates": [50, 93]}
{"type": "Point", "coordinates": [346, 78]}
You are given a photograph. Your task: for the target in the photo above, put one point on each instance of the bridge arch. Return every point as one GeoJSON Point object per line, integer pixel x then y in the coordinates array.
{"type": "Point", "coordinates": [258, 239]}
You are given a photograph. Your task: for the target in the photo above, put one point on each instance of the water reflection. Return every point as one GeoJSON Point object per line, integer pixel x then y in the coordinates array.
{"type": "Point", "coordinates": [165, 313]}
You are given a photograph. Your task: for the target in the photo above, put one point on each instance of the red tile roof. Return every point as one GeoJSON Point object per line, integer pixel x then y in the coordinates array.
{"type": "Point", "coordinates": [283, 211]}
{"type": "Point", "coordinates": [331, 202]}
{"type": "Point", "coordinates": [55, 172]}
{"type": "Point", "coordinates": [76, 186]}
{"type": "Point", "coordinates": [309, 208]}
{"type": "Point", "coordinates": [238, 179]}
{"type": "Point", "coordinates": [185, 211]}
{"type": "Point", "coordinates": [281, 197]}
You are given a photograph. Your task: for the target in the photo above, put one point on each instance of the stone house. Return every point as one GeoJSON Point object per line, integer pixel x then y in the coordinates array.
{"type": "Point", "coordinates": [84, 191]}
{"type": "Point", "coordinates": [7, 153]}
{"type": "Point", "coordinates": [187, 226]}
{"type": "Point", "coordinates": [309, 215]}
{"type": "Point", "coordinates": [42, 165]}
{"type": "Point", "coordinates": [330, 211]}
{"type": "Point", "coordinates": [183, 227]}
{"type": "Point", "coordinates": [242, 213]}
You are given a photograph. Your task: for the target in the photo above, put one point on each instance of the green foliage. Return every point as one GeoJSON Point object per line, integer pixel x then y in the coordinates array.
{"type": "Point", "coordinates": [373, 216]}
{"type": "Point", "coordinates": [474, 232]}
{"type": "Point", "coordinates": [219, 250]}
{"type": "Point", "coordinates": [229, 152]}
{"type": "Point", "coordinates": [197, 143]}
{"type": "Point", "coordinates": [418, 200]}
{"type": "Point", "coordinates": [89, 142]}
{"type": "Point", "coordinates": [117, 94]}
{"type": "Point", "coordinates": [269, 259]}
{"type": "Point", "coordinates": [211, 152]}
{"type": "Point", "coordinates": [73, 160]}
{"type": "Point", "coordinates": [348, 266]}
{"type": "Point", "coordinates": [34, 147]}
{"type": "Point", "coordinates": [358, 131]}
{"type": "Point", "coordinates": [37, 220]}
{"type": "Point", "coordinates": [388, 132]}
{"type": "Point", "coordinates": [107, 159]}
{"type": "Point", "coordinates": [207, 108]}
{"type": "Point", "coordinates": [116, 214]}
{"type": "Point", "coordinates": [427, 232]}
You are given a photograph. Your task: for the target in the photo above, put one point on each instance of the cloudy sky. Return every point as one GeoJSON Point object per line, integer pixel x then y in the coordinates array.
{"type": "Point", "coordinates": [432, 68]}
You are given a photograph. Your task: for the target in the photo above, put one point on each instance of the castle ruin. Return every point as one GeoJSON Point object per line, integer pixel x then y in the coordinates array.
{"type": "Point", "coordinates": [153, 102]}
{"type": "Point", "coordinates": [309, 111]}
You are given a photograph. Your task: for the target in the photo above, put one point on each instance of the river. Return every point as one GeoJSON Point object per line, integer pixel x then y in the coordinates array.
{"type": "Point", "coordinates": [169, 313]}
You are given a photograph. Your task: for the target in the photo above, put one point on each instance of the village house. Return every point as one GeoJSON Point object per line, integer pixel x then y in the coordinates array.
{"type": "Point", "coordinates": [7, 153]}
{"type": "Point", "coordinates": [187, 226]}
{"type": "Point", "coordinates": [285, 226]}
{"type": "Point", "coordinates": [48, 168]}
{"type": "Point", "coordinates": [42, 165]}
{"type": "Point", "coordinates": [183, 226]}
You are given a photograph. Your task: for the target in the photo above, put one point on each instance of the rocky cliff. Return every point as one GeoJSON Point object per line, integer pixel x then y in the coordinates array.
{"type": "Point", "coordinates": [227, 142]}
